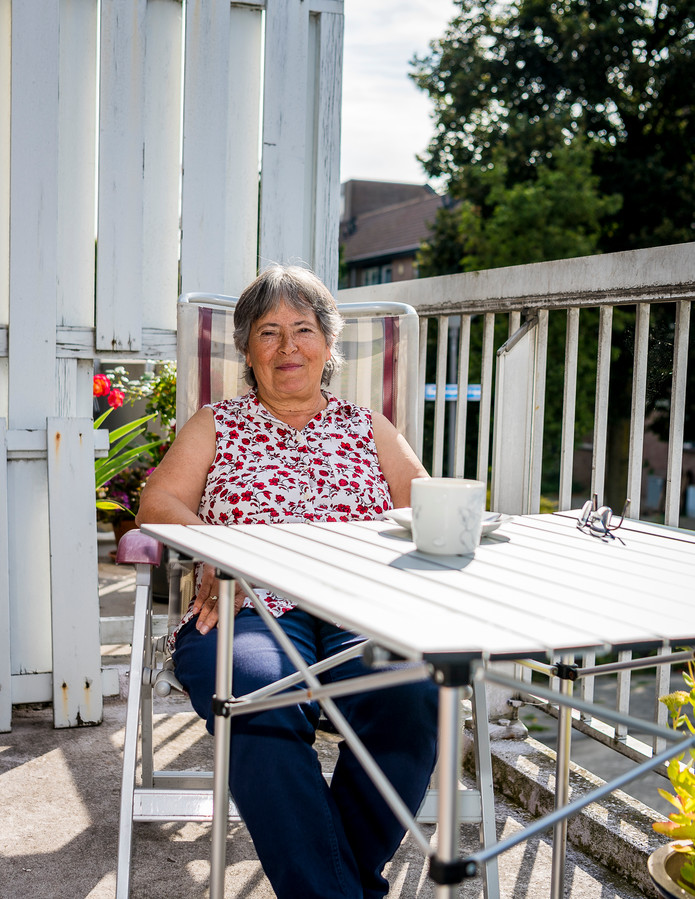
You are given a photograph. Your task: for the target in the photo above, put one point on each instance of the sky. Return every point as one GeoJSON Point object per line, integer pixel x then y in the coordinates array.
{"type": "Point", "coordinates": [386, 119]}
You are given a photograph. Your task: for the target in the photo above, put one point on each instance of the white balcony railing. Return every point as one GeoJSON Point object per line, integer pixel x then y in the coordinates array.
{"type": "Point", "coordinates": [653, 289]}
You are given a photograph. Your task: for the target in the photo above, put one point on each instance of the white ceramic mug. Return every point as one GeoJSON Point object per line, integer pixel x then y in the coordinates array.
{"type": "Point", "coordinates": [447, 515]}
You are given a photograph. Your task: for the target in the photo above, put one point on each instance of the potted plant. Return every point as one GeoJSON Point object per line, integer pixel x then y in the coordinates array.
{"type": "Point", "coordinates": [121, 476]}
{"type": "Point", "coordinates": [672, 867]}
{"type": "Point", "coordinates": [125, 475]}
{"type": "Point", "coordinates": [157, 387]}
{"type": "Point", "coordinates": [118, 477]}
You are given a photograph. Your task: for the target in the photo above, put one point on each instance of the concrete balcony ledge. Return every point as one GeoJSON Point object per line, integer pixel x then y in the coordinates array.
{"type": "Point", "coordinates": [615, 831]}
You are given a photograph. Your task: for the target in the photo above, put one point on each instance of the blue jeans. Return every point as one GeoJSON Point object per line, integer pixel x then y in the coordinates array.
{"type": "Point", "coordinates": [314, 841]}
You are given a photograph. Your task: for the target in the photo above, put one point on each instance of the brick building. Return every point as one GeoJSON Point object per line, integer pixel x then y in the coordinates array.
{"type": "Point", "coordinates": [382, 225]}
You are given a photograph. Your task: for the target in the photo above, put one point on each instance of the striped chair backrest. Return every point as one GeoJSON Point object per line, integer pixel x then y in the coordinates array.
{"type": "Point", "coordinates": [379, 342]}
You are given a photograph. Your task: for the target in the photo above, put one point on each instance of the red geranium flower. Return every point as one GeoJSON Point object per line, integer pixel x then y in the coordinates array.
{"type": "Point", "coordinates": [100, 385]}
{"type": "Point", "coordinates": [115, 399]}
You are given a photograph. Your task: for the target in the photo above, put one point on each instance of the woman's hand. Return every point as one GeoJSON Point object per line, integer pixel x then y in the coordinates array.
{"type": "Point", "coordinates": [205, 603]}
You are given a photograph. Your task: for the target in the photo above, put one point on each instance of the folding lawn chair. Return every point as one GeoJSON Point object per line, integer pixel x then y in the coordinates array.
{"type": "Point", "coordinates": [380, 344]}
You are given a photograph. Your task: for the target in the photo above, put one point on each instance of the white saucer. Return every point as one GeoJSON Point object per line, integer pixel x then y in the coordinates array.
{"type": "Point", "coordinates": [404, 518]}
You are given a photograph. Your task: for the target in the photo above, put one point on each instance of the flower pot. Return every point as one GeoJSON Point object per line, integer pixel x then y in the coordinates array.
{"type": "Point", "coordinates": [664, 868]}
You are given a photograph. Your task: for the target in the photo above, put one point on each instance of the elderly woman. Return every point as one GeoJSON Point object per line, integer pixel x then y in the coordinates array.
{"type": "Point", "coordinates": [290, 451]}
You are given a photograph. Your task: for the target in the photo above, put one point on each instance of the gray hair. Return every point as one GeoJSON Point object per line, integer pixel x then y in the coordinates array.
{"type": "Point", "coordinates": [301, 289]}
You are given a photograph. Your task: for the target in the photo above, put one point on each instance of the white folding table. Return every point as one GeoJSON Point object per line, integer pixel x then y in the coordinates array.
{"type": "Point", "coordinates": [537, 587]}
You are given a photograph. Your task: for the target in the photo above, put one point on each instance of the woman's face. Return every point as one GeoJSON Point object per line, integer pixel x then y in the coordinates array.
{"type": "Point", "coordinates": [287, 352]}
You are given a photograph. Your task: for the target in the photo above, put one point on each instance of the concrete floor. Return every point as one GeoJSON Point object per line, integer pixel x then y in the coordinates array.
{"type": "Point", "coordinates": [59, 824]}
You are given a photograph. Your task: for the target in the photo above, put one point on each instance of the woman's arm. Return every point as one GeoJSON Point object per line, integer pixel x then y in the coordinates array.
{"type": "Point", "coordinates": [174, 489]}
{"type": "Point", "coordinates": [172, 496]}
{"type": "Point", "coordinates": [397, 459]}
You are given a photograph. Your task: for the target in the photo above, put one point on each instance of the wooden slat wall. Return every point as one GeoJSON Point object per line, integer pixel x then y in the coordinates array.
{"type": "Point", "coordinates": [288, 152]}
{"type": "Point", "coordinates": [121, 175]}
{"type": "Point", "coordinates": [5, 81]}
{"type": "Point", "coordinates": [33, 212]}
{"type": "Point", "coordinates": [329, 47]}
{"type": "Point", "coordinates": [77, 124]}
{"type": "Point", "coordinates": [205, 112]}
{"type": "Point", "coordinates": [162, 164]}
{"type": "Point", "coordinates": [105, 156]}
{"type": "Point", "coordinates": [243, 134]}
{"type": "Point", "coordinates": [5, 667]}
{"type": "Point", "coordinates": [77, 696]}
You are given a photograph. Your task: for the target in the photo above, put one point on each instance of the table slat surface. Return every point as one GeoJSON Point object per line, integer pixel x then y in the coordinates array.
{"type": "Point", "coordinates": [537, 585]}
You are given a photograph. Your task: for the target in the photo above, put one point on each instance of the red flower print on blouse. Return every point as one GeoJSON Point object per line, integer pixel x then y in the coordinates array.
{"type": "Point", "coordinates": [333, 475]}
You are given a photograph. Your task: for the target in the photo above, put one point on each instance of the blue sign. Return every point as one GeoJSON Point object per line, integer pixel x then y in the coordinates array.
{"type": "Point", "coordinates": [452, 392]}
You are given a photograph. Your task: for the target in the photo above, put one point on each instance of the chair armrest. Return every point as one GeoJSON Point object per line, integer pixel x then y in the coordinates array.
{"type": "Point", "coordinates": [136, 548]}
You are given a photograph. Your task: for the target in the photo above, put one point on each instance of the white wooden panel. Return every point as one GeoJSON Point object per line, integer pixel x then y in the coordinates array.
{"type": "Point", "coordinates": [286, 104]}
{"type": "Point", "coordinates": [76, 161]}
{"type": "Point", "coordinates": [5, 84]}
{"type": "Point", "coordinates": [513, 423]}
{"type": "Point", "coordinates": [32, 688]}
{"type": "Point", "coordinates": [243, 136]}
{"type": "Point", "coordinates": [462, 402]}
{"type": "Point", "coordinates": [3, 387]}
{"type": "Point", "coordinates": [327, 154]}
{"type": "Point", "coordinates": [308, 220]}
{"type": "Point", "coordinates": [205, 116]}
{"type": "Point", "coordinates": [30, 582]}
{"type": "Point", "coordinates": [639, 393]}
{"type": "Point", "coordinates": [485, 395]}
{"type": "Point", "coordinates": [422, 364]}
{"type": "Point", "coordinates": [569, 405]}
{"type": "Point", "coordinates": [603, 373]}
{"type": "Point", "coordinates": [537, 412]}
{"type": "Point", "coordinates": [66, 388]}
{"type": "Point", "coordinates": [33, 212]}
{"type": "Point", "coordinates": [676, 424]}
{"type": "Point", "coordinates": [77, 697]}
{"type": "Point", "coordinates": [514, 323]}
{"type": "Point", "coordinates": [121, 176]}
{"type": "Point", "coordinates": [162, 123]}
{"type": "Point", "coordinates": [440, 396]}
{"type": "Point", "coordinates": [5, 668]}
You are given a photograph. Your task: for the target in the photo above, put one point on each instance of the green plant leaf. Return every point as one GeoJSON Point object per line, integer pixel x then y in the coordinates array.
{"type": "Point", "coordinates": [102, 418]}
{"type": "Point", "coordinates": [114, 466]}
{"type": "Point", "coordinates": [117, 433]}
{"type": "Point", "coordinates": [108, 505]}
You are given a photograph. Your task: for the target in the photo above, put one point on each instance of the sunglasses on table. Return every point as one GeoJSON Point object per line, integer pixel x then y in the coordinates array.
{"type": "Point", "coordinates": [599, 521]}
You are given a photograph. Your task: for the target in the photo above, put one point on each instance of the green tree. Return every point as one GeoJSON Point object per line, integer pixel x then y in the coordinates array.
{"type": "Point", "coordinates": [562, 128]}
{"type": "Point", "coordinates": [517, 81]}
{"type": "Point", "coordinates": [553, 215]}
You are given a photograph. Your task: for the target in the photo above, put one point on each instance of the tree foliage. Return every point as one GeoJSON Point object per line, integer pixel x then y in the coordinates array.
{"type": "Point", "coordinates": [554, 215]}
{"type": "Point", "coordinates": [519, 81]}
{"type": "Point", "coordinates": [566, 128]}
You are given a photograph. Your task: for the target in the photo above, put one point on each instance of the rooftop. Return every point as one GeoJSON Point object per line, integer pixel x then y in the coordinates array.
{"type": "Point", "coordinates": [393, 229]}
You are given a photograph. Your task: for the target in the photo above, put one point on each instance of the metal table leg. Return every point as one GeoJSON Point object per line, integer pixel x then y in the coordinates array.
{"type": "Point", "coordinates": [223, 725]}
{"type": "Point", "coordinates": [562, 791]}
{"type": "Point", "coordinates": [449, 767]}
{"type": "Point", "coordinates": [483, 769]}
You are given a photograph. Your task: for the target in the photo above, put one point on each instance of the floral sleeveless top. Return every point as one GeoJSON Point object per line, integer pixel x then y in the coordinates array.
{"type": "Point", "coordinates": [266, 472]}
